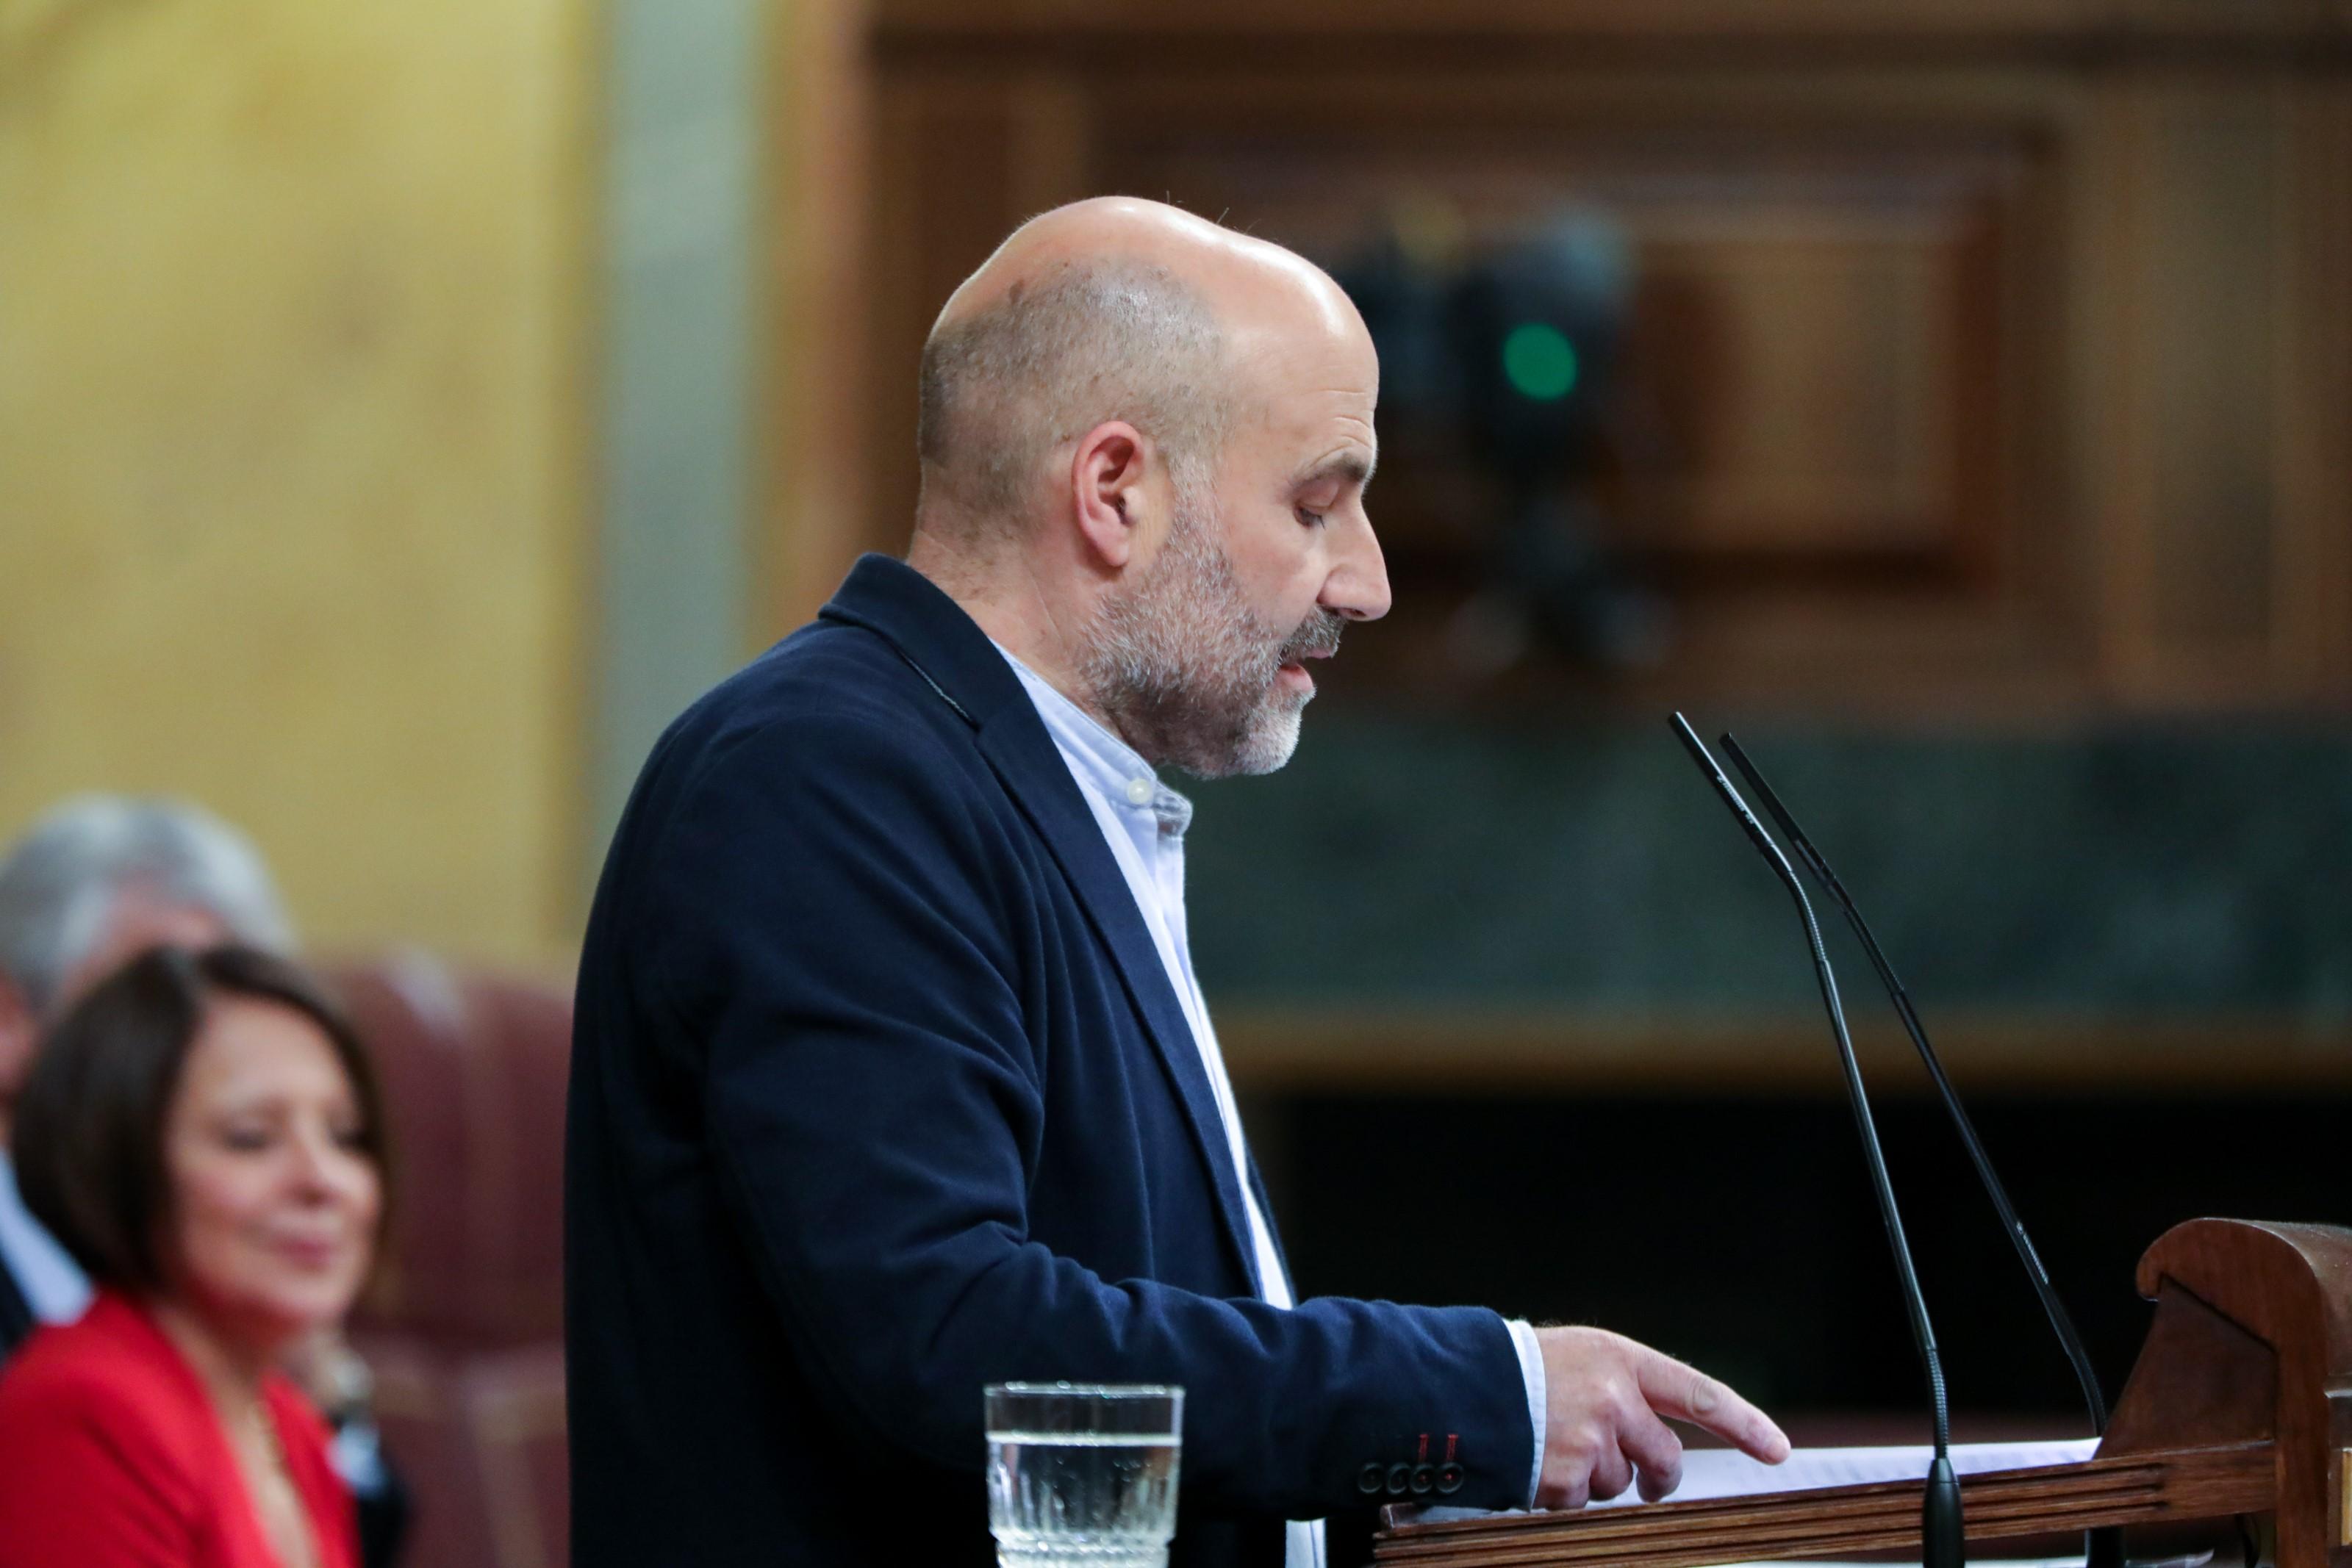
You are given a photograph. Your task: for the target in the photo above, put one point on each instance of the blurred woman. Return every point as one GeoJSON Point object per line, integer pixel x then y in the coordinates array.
{"type": "Point", "coordinates": [202, 1133]}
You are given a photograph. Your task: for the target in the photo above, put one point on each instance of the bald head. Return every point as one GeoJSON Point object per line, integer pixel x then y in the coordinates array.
{"type": "Point", "coordinates": [1107, 310]}
{"type": "Point", "coordinates": [1145, 443]}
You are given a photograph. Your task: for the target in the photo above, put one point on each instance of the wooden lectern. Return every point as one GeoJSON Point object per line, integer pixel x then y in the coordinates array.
{"type": "Point", "coordinates": [2238, 1409]}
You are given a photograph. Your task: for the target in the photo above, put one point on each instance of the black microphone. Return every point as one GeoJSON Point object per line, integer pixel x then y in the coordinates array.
{"type": "Point", "coordinates": [2104, 1547]}
{"type": "Point", "coordinates": [1943, 1540]}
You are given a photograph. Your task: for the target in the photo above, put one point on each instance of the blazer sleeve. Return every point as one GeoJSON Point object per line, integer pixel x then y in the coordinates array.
{"type": "Point", "coordinates": [831, 917]}
{"type": "Point", "coordinates": [89, 1479]}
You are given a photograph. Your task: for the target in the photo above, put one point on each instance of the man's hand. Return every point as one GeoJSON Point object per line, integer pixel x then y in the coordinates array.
{"type": "Point", "coordinates": [1603, 1395]}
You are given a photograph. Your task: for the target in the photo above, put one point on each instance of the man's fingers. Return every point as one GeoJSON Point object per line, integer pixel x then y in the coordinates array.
{"type": "Point", "coordinates": [1606, 1394]}
{"type": "Point", "coordinates": [1653, 1446]}
{"type": "Point", "coordinates": [1610, 1476]}
{"type": "Point", "coordinates": [1689, 1394]}
{"type": "Point", "coordinates": [1562, 1493]}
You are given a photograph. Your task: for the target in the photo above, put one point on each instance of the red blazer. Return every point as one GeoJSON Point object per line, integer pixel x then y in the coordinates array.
{"type": "Point", "coordinates": [111, 1456]}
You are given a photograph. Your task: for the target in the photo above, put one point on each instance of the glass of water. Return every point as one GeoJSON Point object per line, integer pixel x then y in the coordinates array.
{"type": "Point", "coordinates": [1083, 1473]}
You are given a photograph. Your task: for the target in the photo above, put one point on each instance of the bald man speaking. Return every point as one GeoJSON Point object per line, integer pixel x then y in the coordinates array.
{"type": "Point", "coordinates": [891, 1077]}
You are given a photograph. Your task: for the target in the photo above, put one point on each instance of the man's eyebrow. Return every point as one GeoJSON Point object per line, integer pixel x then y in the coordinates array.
{"type": "Point", "coordinates": [1356, 468]}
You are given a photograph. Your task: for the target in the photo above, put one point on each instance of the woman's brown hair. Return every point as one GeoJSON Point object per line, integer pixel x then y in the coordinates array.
{"type": "Point", "coordinates": [89, 1139]}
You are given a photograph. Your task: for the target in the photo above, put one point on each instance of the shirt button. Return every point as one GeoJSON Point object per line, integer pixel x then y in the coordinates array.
{"type": "Point", "coordinates": [1139, 791]}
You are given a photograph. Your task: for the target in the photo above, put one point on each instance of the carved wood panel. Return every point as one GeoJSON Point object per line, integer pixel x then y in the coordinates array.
{"type": "Point", "coordinates": [1967, 378]}
{"type": "Point", "coordinates": [1818, 328]}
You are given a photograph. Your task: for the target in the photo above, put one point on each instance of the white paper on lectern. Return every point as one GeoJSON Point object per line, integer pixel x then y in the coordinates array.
{"type": "Point", "coordinates": [1727, 1472]}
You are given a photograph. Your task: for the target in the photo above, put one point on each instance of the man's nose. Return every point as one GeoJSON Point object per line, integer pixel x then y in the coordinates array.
{"type": "Point", "coordinates": [1358, 586]}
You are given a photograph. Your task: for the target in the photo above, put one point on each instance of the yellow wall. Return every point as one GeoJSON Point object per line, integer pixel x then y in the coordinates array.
{"type": "Point", "coordinates": [291, 409]}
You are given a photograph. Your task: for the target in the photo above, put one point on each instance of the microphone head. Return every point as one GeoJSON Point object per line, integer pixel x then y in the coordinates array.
{"type": "Point", "coordinates": [1724, 787]}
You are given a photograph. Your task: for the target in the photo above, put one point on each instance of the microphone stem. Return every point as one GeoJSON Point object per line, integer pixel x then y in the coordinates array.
{"type": "Point", "coordinates": [2078, 1359]}
{"type": "Point", "coordinates": [2061, 1323]}
{"type": "Point", "coordinates": [1914, 1300]}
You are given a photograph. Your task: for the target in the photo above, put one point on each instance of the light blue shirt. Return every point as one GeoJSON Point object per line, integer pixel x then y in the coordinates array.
{"type": "Point", "coordinates": [54, 1286]}
{"type": "Point", "coordinates": [1143, 821]}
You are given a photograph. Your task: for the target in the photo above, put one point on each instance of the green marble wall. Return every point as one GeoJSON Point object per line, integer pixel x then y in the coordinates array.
{"type": "Point", "coordinates": [2133, 870]}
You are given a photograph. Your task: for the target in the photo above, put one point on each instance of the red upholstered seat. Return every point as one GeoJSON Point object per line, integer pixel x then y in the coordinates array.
{"type": "Point", "coordinates": [465, 1326]}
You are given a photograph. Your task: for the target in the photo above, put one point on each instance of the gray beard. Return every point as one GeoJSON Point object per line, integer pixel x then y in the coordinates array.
{"type": "Point", "coordinates": [1186, 672]}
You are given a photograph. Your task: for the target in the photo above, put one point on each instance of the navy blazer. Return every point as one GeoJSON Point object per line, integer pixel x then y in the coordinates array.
{"type": "Point", "coordinates": [880, 1094]}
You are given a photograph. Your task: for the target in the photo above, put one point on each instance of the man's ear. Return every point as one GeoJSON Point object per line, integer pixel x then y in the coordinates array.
{"type": "Point", "coordinates": [20, 1031]}
{"type": "Point", "coordinates": [1107, 475]}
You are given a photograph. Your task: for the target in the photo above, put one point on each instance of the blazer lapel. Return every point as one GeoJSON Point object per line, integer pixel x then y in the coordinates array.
{"type": "Point", "coordinates": [1038, 780]}
{"type": "Point", "coordinates": [954, 657]}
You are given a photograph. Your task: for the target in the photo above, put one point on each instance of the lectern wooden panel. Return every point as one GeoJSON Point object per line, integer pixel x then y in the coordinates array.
{"type": "Point", "coordinates": [2239, 1404]}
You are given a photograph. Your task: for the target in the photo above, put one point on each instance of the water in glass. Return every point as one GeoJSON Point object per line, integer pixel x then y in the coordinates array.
{"type": "Point", "coordinates": [1082, 1474]}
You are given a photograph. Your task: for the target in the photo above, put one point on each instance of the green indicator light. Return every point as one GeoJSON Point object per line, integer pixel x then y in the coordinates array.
{"type": "Point", "coordinates": [1539, 361]}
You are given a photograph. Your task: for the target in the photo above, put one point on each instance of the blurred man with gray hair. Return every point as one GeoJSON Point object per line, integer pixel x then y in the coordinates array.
{"type": "Point", "coordinates": [98, 880]}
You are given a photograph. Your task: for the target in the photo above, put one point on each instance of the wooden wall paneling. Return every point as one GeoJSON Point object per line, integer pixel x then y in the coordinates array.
{"type": "Point", "coordinates": [1054, 143]}
{"type": "Point", "coordinates": [2192, 506]}
{"type": "Point", "coordinates": [1988, 491]}
{"type": "Point", "coordinates": [2225, 481]}
{"type": "Point", "coordinates": [2286, 23]}
{"type": "Point", "coordinates": [2106, 428]}
{"type": "Point", "coordinates": [1408, 1049]}
{"type": "Point", "coordinates": [813, 398]}
{"type": "Point", "coordinates": [961, 159]}
{"type": "Point", "coordinates": [2006, 375]}
{"type": "Point", "coordinates": [919, 232]}
{"type": "Point", "coordinates": [1857, 362]}
{"type": "Point", "coordinates": [1942, 26]}
{"type": "Point", "coordinates": [2314, 397]}
{"type": "Point", "coordinates": [2210, 338]}
{"type": "Point", "coordinates": [2046, 376]}
{"type": "Point", "coordinates": [1829, 420]}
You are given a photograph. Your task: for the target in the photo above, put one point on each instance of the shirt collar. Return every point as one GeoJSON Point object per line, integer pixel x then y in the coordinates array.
{"type": "Point", "coordinates": [51, 1282]}
{"type": "Point", "coordinates": [1103, 764]}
